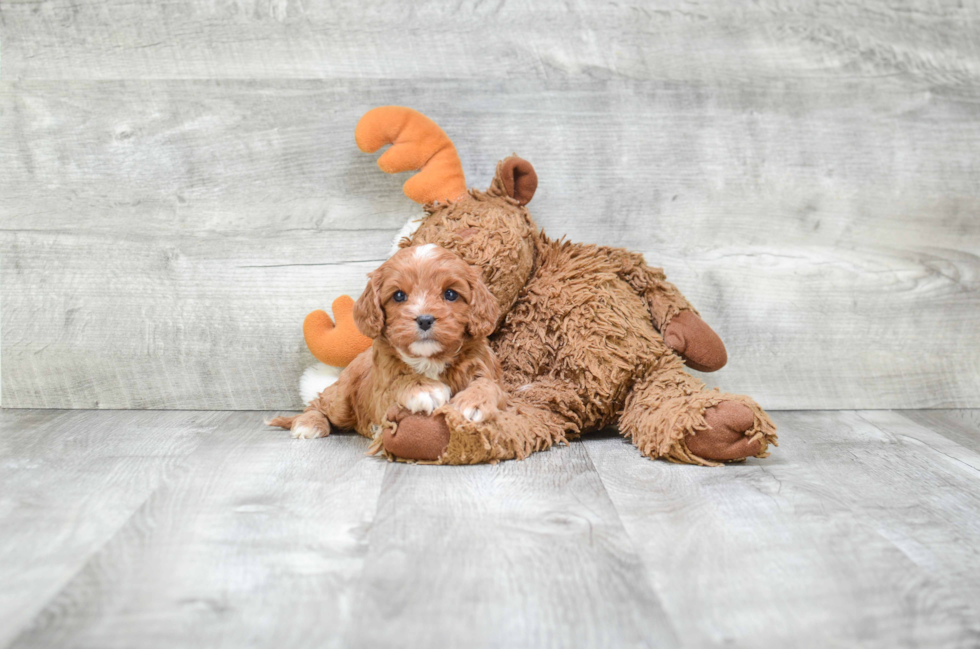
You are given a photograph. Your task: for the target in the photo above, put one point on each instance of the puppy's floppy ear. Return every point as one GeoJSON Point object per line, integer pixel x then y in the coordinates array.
{"type": "Point", "coordinates": [369, 316]}
{"type": "Point", "coordinates": [484, 310]}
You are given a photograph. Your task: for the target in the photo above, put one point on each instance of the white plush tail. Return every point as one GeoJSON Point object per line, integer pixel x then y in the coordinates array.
{"type": "Point", "coordinates": [316, 379]}
{"type": "Point", "coordinates": [407, 231]}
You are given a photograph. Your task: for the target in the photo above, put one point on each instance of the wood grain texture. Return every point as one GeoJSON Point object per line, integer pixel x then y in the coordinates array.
{"type": "Point", "coordinates": [71, 481]}
{"type": "Point", "coordinates": [522, 554]}
{"type": "Point", "coordinates": [258, 540]}
{"type": "Point", "coordinates": [860, 531]}
{"type": "Point", "coordinates": [673, 39]}
{"type": "Point", "coordinates": [149, 529]}
{"type": "Point", "coordinates": [961, 426]}
{"type": "Point", "coordinates": [805, 174]}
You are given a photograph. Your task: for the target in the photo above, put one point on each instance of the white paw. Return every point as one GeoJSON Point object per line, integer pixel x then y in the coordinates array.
{"type": "Point", "coordinates": [427, 398]}
{"type": "Point", "coordinates": [473, 413]}
{"type": "Point", "coordinates": [306, 432]}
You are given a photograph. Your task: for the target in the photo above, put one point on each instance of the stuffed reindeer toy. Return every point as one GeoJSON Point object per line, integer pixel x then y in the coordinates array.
{"type": "Point", "coordinates": [587, 336]}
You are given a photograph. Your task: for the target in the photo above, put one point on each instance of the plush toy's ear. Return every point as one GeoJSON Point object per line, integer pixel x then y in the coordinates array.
{"type": "Point", "coordinates": [333, 345]}
{"type": "Point", "coordinates": [417, 143]}
{"type": "Point", "coordinates": [369, 316]}
{"type": "Point", "coordinates": [518, 178]}
{"type": "Point", "coordinates": [484, 310]}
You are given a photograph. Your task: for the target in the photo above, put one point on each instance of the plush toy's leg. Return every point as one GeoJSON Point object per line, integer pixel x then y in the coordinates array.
{"type": "Point", "coordinates": [670, 414]}
{"type": "Point", "coordinates": [530, 422]}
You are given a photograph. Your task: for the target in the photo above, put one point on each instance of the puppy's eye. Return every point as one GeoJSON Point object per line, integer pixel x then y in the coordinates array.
{"type": "Point", "coordinates": [399, 296]}
{"type": "Point", "coordinates": [450, 295]}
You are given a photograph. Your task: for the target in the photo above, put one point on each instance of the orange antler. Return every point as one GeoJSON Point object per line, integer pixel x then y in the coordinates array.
{"type": "Point", "coordinates": [335, 345]}
{"type": "Point", "coordinates": [417, 143]}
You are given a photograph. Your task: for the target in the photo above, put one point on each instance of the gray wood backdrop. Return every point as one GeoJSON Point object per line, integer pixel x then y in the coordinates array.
{"type": "Point", "coordinates": [180, 184]}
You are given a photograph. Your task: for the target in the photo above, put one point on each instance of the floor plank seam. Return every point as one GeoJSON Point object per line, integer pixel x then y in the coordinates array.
{"type": "Point", "coordinates": [913, 440]}
{"type": "Point", "coordinates": [82, 567]}
{"type": "Point", "coordinates": [632, 542]}
{"type": "Point", "coordinates": [182, 463]}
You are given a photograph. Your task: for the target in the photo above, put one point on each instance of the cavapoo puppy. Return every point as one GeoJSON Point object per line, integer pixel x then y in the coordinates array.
{"type": "Point", "coordinates": [429, 313]}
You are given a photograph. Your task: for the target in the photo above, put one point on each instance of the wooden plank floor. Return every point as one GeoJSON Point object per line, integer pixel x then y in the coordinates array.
{"type": "Point", "coordinates": [168, 529]}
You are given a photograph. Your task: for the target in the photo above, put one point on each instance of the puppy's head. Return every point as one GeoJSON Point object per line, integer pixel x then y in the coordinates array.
{"type": "Point", "coordinates": [426, 302]}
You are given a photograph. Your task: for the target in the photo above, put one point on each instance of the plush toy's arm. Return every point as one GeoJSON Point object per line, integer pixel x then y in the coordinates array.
{"type": "Point", "coordinates": [663, 298]}
{"type": "Point", "coordinates": [681, 327]}
{"type": "Point", "coordinates": [677, 321]}
{"type": "Point", "coordinates": [335, 345]}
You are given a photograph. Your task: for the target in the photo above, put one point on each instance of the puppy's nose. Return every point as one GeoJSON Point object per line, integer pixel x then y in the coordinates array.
{"type": "Point", "coordinates": [425, 322]}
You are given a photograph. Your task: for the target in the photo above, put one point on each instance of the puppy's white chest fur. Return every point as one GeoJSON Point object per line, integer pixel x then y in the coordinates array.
{"type": "Point", "coordinates": [424, 365]}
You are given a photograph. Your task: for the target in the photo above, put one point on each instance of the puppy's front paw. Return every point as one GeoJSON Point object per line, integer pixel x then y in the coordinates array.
{"type": "Point", "coordinates": [426, 398]}
{"type": "Point", "coordinates": [310, 425]}
{"type": "Point", "coordinates": [474, 408]}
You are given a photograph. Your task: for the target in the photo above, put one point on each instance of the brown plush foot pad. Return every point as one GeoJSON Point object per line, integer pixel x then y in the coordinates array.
{"type": "Point", "coordinates": [725, 439]}
{"type": "Point", "coordinates": [695, 342]}
{"type": "Point", "coordinates": [418, 437]}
